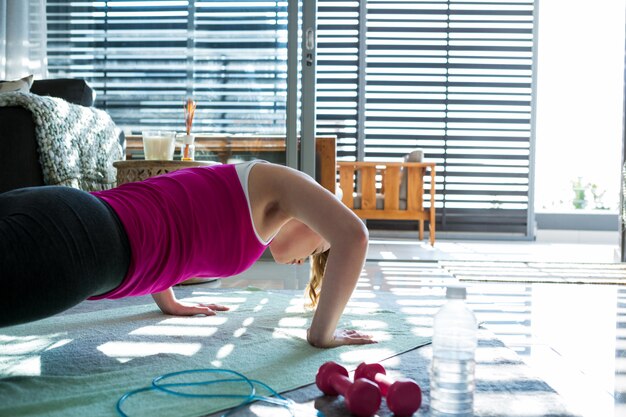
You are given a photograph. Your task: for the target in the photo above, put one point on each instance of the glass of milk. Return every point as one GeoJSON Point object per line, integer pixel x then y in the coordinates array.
{"type": "Point", "coordinates": [158, 145]}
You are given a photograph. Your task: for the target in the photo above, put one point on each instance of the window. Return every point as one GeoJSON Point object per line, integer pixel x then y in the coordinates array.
{"type": "Point", "coordinates": [453, 77]}
{"type": "Point", "coordinates": [580, 107]}
{"type": "Point", "coordinates": [144, 58]}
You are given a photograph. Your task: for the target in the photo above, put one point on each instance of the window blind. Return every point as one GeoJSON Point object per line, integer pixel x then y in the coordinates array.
{"type": "Point", "coordinates": [144, 58]}
{"type": "Point", "coordinates": [338, 73]}
{"type": "Point", "coordinates": [453, 77]}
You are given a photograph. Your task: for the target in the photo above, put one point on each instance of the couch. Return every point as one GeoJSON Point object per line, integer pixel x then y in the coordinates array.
{"type": "Point", "coordinates": [19, 158]}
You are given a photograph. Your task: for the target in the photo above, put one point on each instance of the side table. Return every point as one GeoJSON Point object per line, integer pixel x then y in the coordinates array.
{"type": "Point", "coordinates": [139, 170]}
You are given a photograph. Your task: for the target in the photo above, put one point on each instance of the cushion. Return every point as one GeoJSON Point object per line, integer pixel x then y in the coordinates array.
{"type": "Point", "coordinates": [23, 85]}
{"type": "Point", "coordinates": [380, 202]}
{"type": "Point", "coordinates": [75, 91]}
{"type": "Point", "coordinates": [416, 155]}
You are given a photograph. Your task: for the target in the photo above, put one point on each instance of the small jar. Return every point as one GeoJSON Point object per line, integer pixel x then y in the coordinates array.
{"type": "Point", "coordinates": [188, 150]}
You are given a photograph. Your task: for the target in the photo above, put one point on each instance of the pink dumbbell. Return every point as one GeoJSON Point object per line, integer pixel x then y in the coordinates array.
{"type": "Point", "coordinates": [362, 397]}
{"type": "Point", "coordinates": [404, 396]}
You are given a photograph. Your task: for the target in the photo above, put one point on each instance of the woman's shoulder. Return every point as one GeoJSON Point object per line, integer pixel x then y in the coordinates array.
{"type": "Point", "coordinates": [282, 184]}
{"type": "Point", "coordinates": [271, 169]}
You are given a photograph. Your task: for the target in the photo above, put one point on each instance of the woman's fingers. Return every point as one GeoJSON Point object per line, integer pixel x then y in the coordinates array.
{"type": "Point", "coordinates": [216, 307]}
{"type": "Point", "coordinates": [353, 337]}
{"type": "Point", "coordinates": [355, 334]}
{"type": "Point", "coordinates": [362, 339]}
{"type": "Point", "coordinates": [192, 310]}
{"type": "Point", "coordinates": [205, 309]}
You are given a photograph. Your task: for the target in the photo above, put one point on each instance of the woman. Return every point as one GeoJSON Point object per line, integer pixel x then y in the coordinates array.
{"type": "Point", "coordinates": [60, 246]}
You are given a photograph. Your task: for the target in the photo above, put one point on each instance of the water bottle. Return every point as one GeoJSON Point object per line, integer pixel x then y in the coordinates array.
{"type": "Point", "coordinates": [454, 347]}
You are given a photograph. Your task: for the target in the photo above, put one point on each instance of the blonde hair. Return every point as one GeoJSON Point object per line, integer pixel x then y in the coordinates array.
{"type": "Point", "coordinates": [318, 267]}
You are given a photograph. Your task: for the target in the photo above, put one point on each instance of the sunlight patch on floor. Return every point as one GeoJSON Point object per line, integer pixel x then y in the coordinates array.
{"type": "Point", "coordinates": [175, 331]}
{"type": "Point", "coordinates": [125, 351]}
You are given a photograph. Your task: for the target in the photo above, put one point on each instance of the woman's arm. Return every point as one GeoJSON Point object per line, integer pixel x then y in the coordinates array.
{"type": "Point", "coordinates": [343, 269]}
{"type": "Point", "coordinates": [298, 196]}
{"type": "Point", "coordinates": [167, 302]}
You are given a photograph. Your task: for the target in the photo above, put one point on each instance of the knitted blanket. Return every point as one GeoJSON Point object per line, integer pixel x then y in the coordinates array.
{"type": "Point", "coordinates": [77, 144]}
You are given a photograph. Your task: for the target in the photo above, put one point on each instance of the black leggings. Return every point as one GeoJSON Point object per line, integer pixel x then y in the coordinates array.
{"type": "Point", "coordinates": [58, 246]}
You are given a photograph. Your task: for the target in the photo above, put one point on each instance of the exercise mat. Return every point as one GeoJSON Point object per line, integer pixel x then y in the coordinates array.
{"type": "Point", "coordinates": [81, 362]}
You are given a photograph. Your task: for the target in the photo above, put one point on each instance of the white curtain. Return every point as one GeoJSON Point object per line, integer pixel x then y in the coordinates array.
{"type": "Point", "coordinates": [23, 39]}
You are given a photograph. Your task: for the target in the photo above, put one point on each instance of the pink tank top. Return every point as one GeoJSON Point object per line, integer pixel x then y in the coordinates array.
{"type": "Point", "coordinates": [194, 222]}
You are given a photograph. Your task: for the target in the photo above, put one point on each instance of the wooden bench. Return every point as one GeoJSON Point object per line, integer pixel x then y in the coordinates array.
{"type": "Point", "coordinates": [389, 203]}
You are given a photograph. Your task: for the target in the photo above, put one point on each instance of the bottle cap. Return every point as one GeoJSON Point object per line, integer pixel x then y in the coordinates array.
{"type": "Point", "coordinates": [457, 292]}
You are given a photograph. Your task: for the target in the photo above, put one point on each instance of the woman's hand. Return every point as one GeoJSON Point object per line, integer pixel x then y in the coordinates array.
{"type": "Point", "coordinates": [343, 337]}
{"type": "Point", "coordinates": [168, 304]}
{"type": "Point", "coordinates": [192, 309]}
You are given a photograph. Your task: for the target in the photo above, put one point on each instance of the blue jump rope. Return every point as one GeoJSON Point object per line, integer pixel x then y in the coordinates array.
{"type": "Point", "coordinates": [170, 388]}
